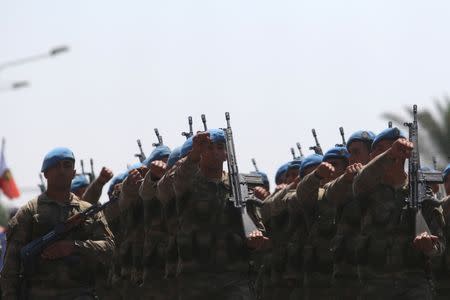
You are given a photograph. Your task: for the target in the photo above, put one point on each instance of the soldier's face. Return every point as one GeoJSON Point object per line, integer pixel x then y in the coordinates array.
{"type": "Point", "coordinates": [359, 153]}
{"type": "Point", "coordinates": [60, 176]}
{"type": "Point", "coordinates": [291, 174]}
{"type": "Point", "coordinates": [339, 166]}
{"type": "Point", "coordinates": [309, 170]}
{"type": "Point", "coordinates": [381, 147]}
{"type": "Point", "coordinates": [214, 155]}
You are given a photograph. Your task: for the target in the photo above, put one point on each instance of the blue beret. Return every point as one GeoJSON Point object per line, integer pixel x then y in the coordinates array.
{"type": "Point", "coordinates": [187, 147]}
{"type": "Point", "coordinates": [281, 172]}
{"type": "Point", "coordinates": [55, 156]}
{"type": "Point", "coordinates": [361, 135]}
{"type": "Point", "coordinates": [310, 161]}
{"type": "Point", "coordinates": [295, 164]}
{"type": "Point", "coordinates": [157, 154]}
{"type": "Point", "coordinates": [336, 152]}
{"type": "Point", "coordinates": [446, 172]}
{"type": "Point", "coordinates": [80, 181]}
{"type": "Point", "coordinates": [388, 134]}
{"type": "Point", "coordinates": [265, 179]}
{"type": "Point", "coordinates": [174, 157]}
{"type": "Point", "coordinates": [216, 135]}
{"type": "Point", "coordinates": [135, 166]}
{"type": "Point", "coordinates": [116, 180]}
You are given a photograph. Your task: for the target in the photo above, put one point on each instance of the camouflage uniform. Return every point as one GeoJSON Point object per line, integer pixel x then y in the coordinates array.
{"type": "Point", "coordinates": [320, 214]}
{"type": "Point", "coordinates": [71, 278]}
{"type": "Point", "coordinates": [348, 220]}
{"type": "Point", "coordinates": [283, 271]}
{"type": "Point", "coordinates": [441, 265]}
{"type": "Point", "coordinates": [390, 267]}
{"type": "Point", "coordinates": [155, 242]}
{"type": "Point", "coordinates": [132, 243]}
{"type": "Point", "coordinates": [213, 256]}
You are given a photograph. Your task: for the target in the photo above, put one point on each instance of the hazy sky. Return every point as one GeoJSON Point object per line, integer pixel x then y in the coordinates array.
{"type": "Point", "coordinates": [279, 67]}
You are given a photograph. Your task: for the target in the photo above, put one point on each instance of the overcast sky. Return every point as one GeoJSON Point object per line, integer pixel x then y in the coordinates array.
{"type": "Point", "coordinates": [279, 67]}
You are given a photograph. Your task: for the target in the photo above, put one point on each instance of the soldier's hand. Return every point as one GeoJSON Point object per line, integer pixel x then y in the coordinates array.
{"type": "Point", "coordinates": [351, 171]}
{"type": "Point", "coordinates": [261, 193]}
{"type": "Point", "coordinates": [401, 149]}
{"type": "Point", "coordinates": [158, 168]}
{"type": "Point", "coordinates": [134, 178]}
{"type": "Point", "coordinates": [105, 175]}
{"type": "Point", "coordinates": [200, 143]}
{"type": "Point", "coordinates": [257, 241]}
{"type": "Point", "coordinates": [280, 187]}
{"type": "Point", "coordinates": [325, 171]}
{"type": "Point", "coordinates": [425, 242]}
{"type": "Point", "coordinates": [58, 249]}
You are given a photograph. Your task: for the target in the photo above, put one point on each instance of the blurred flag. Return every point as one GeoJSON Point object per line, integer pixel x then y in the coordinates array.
{"type": "Point", "coordinates": [7, 183]}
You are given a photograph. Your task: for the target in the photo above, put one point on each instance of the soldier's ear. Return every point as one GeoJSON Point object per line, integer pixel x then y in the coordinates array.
{"type": "Point", "coordinates": [74, 173]}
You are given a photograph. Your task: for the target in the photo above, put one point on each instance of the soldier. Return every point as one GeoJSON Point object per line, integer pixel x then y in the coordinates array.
{"type": "Point", "coordinates": [280, 176]}
{"type": "Point", "coordinates": [79, 185]}
{"type": "Point", "coordinates": [340, 193]}
{"type": "Point", "coordinates": [213, 252]}
{"type": "Point", "coordinates": [321, 218]}
{"type": "Point", "coordinates": [65, 269]}
{"type": "Point", "coordinates": [393, 259]}
{"type": "Point", "coordinates": [93, 192]}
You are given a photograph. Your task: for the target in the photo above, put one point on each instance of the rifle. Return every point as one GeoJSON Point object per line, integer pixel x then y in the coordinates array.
{"type": "Point", "coordinates": [440, 194]}
{"type": "Point", "coordinates": [191, 132]}
{"type": "Point", "coordinates": [317, 149]}
{"type": "Point", "coordinates": [418, 180]}
{"type": "Point", "coordinates": [92, 174]}
{"type": "Point", "coordinates": [204, 123]}
{"type": "Point", "coordinates": [159, 137]}
{"type": "Point", "coordinates": [31, 252]}
{"type": "Point", "coordinates": [294, 157]}
{"type": "Point", "coordinates": [299, 147]}
{"type": "Point", "coordinates": [341, 130]}
{"type": "Point", "coordinates": [239, 183]}
{"type": "Point", "coordinates": [254, 164]}
{"type": "Point", "coordinates": [42, 184]}
{"type": "Point", "coordinates": [390, 124]}
{"type": "Point", "coordinates": [141, 154]}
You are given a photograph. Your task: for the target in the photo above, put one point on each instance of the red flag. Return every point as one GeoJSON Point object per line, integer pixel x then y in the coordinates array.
{"type": "Point", "coordinates": [7, 183]}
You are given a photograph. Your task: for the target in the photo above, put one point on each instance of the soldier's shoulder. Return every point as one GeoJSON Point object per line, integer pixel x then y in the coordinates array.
{"type": "Point", "coordinates": [83, 204]}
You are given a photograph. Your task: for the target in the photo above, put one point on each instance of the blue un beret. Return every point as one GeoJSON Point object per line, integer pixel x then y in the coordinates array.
{"type": "Point", "coordinates": [216, 136]}
{"type": "Point", "coordinates": [281, 172]}
{"type": "Point", "coordinates": [295, 164]}
{"type": "Point", "coordinates": [361, 135]}
{"type": "Point", "coordinates": [391, 134]}
{"type": "Point", "coordinates": [56, 155]}
{"type": "Point", "coordinates": [80, 181]}
{"type": "Point", "coordinates": [309, 161]}
{"type": "Point", "coordinates": [116, 180]}
{"type": "Point", "coordinates": [336, 152]}
{"type": "Point", "coordinates": [174, 157]}
{"type": "Point", "coordinates": [135, 166]}
{"type": "Point", "coordinates": [187, 147]}
{"type": "Point", "coordinates": [446, 172]}
{"type": "Point", "coordinates": [157, 154]}
{"type": "Point", "coordinates": [264, 177]}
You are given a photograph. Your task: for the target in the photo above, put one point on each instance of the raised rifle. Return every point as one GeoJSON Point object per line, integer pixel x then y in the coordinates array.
{"type": "Point", "coordinates": [254, 165]}
{"type": "Point", "coordinates": [159, 137]}
{"type": "Point", "coordinates": [390, 124]}
{"type": "Point", "coordinates": [191, 132]}
{"type": "Point", "coordinates": [317, 149]}
{"type": "Point", "coordinates": [92, 174]}
{"type": "Point", "coordinates": [440, 194]}
{"type": "Point", "coordinates": [299, 147]}
{"type": "Point", "coordinates": [141, 154]}
{"type": "Point", "coordinates": [205, 128]}
{"type": "Point", "coordinates": [31, 252]}
{"type": "Point", "coordinates": [341, 131]}
{"type": "Point", "coordinates": [294, 157]}
{"type": "Point", "coordinates": [240, 184]}
{"type": "Point", "coordinates": [418, 180]}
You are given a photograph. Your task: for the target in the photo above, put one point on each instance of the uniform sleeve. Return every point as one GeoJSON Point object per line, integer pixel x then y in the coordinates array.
{"type": "Point", "coordinates": [128, 195]}
{"type": "Point", "coordinates": [184, 174]}
{"type": "Point", "coordinates": [308, 190]}
{"type": "Point", "coordinates": [371, 175]}
{"type": "Point", "coordinates": [275, 204]}
{"type": "Point", "coordinates": [339, 191]}
{"type": "Point", "coordinates": [100, 246]}
{"type": "Point", "coordinates": [435, 220]}
{"type": "Point", "coordinates": [147, 190]}
{"type": "Point", "coordinates": [165, 191]}
{"type": "Point", "coordinates": [93, 192]}
{"type": "Point", "coordinates": [18, 235]}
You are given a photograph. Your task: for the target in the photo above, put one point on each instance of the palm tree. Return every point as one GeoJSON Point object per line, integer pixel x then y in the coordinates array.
{"type": "Point", "coordinates": [434, 131]}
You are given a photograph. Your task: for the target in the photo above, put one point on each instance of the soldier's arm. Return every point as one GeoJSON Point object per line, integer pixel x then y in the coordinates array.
{"type": "Point", "coordinates": [93, 192]}
{"type": "Point", "coordinates": [147, 190]}
{"type": "Point", "coordinates": [339, 191]}
{"type": "Point", "coordinates": [372, 174]}
{"type": "Point", "coordinates": [275, 204]}
{"type": "Point", "coordinates": [100, 246]}
{"type": "Point", "coordinates": [184, 174]}
{"type": "Point", "coordinates": [164, 191]}
{"type": "Point", "coordinates": [308, 190]}
{"type": "Point", "coordinates": [435, 220]}
{"type": "Point", "coordinates": [18, 235]}
{"type": "Point", "coordinates": [129, 194]}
